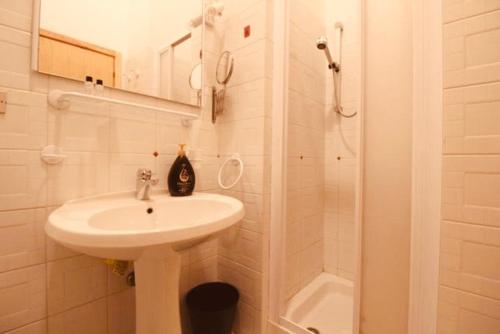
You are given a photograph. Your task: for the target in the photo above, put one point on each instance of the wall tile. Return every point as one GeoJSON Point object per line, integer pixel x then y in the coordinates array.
{"type": "Point", "coordinates": [123, 169]}
{"type": "Point", "coordinates": [203, 271]}
{"type": "Point", "coordinates": [245, 137]}
{"type": "Point", "coordinates": [79, 130]}
{"type": "Point", "coordinates": [480, 53]}
{"type": "Point", "coordinates": [131, 136]}
{"type": "Point", "coordinates": [245, 101]}
{"type": "Point", "coordinates": [470, 207]}
{"type": "Point", "coordinates": [23, 297]}
{"type": "Point", "coordinates": [251, 63]}
{"type": "Point", "coordinates": [469, 119]}
{"type": "Point", "coordinates": [248, 282]}
{"type": "Point", "coordinates": [248, 320]}
{"type": "Point", "coordinates": [23, 7]}
{"type": "Point", "coordinates": [311, 262]}
{"type": "Point", "coordinates": [459, 9]}
{"type": "Point", "coordinates": [170, 135]}
{"type": "Point", "coordinates": [81, 174]}
{"type": "Point", "coordinates": [254, 16]}
{"type": "Point", "coordinates": [74, 281]}
{"type": "Point", "coordinates": [19, 60]}
{"type": "Point", "coordinates": [39, 327]}
{"type": "Point", "coordinates": [121, 312]}
{"type": "Point", "coordinates": [470, 241]}
{"type": "Point", "coordinates": [23, 179]}
{"type": "Point", "coordinates": [243, 246]}
{"type": "Point", "coordinates": [21, 238]}
{"type": "Point", "coordinates": [88, 318]}
{"type": "Point", "coordinates": [203, 251]}
{"type": "Point", "coordinates": [24, 125]}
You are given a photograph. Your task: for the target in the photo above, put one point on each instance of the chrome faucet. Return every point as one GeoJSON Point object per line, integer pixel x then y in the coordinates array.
{"type": "Point", "coordinates": [144, 181]}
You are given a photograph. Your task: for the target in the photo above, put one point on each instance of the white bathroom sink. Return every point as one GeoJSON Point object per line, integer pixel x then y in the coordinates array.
{"type": "Point", "coordinates": [118, 226]}
{"type": "Point", "coordinates": [151, 233]}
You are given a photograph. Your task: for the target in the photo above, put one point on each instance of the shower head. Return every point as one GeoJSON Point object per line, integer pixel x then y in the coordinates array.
{"type": "Point", "coordinates": [322, 44]}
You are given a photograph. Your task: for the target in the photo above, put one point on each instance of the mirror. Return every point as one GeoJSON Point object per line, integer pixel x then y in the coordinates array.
{"type": "Point", "coordinates": [149, 47]}
{"type": "Point", "coordinates": [195, 79]}
{"type": "Point", "coordinates": [224, 68]}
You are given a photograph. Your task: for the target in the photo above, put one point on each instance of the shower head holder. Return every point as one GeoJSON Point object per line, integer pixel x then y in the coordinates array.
{"type": "Point", "coordinates": [334, 66]}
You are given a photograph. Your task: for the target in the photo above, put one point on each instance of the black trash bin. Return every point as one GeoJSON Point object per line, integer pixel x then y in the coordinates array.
{"type": "Point", "coordinates": [212, 307]}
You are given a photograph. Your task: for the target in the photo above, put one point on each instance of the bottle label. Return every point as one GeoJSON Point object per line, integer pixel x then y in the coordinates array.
{"type": "Point", "coordinates": [184, 175]}
{"type": "Point", "coordinates": [184, 182]}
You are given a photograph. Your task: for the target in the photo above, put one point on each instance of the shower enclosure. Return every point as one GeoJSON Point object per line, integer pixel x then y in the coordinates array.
{"type": "Point", "coordinates": [315, 228]}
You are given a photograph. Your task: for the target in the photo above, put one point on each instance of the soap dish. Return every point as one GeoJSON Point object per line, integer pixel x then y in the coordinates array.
{"type": "Point", "coordinates": [52, 155]}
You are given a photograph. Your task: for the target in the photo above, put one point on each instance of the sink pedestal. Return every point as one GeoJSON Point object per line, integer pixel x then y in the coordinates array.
{"type": "Point", "coordinates": [157, 274]}
{"type": "Point", "coordinates": [118, 226]}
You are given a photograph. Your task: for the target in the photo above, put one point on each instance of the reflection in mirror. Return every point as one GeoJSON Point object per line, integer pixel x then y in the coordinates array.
{"type": "Point", "coordinates": [148, 47]}
{"type": "Point", "coordinates": [195, 81]}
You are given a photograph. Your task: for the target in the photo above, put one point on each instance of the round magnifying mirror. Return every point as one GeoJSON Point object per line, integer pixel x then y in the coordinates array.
{"type": "Point", "coordinates": [224, 68]}
{"type": "Point", "coordinates": [195, 77]}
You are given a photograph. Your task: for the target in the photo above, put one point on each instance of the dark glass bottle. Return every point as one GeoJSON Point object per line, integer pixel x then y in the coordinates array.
{"type": "Point", "coordinates": [181, 177]}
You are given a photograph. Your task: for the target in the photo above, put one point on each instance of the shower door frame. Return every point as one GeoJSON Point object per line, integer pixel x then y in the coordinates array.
{"type": "Point", "coordinates": [426, 165]}
{"type": "Point", "coordinates": [279, 170]}
{"type": "Point", "coordinates": [427, 148]}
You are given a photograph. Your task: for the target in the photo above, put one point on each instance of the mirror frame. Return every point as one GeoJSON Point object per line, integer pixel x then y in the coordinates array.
{"type": "Point", "coordinates": [229, 71]}
{"type": "Point", "coordinates": [35, 31]}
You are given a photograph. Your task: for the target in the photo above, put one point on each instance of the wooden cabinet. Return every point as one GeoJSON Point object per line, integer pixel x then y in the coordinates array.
{"type": "Point", "coordinates": [70, 58]}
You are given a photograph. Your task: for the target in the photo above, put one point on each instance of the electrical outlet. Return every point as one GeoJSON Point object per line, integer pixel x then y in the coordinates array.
{"type": "Point", "coordinates": [3, 102]}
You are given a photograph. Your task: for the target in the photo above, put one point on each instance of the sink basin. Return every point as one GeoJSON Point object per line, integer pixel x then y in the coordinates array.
{"type": "Point", "coordinates": [118, 226]}
{"type": "Point", "coordinates": [150, 233]}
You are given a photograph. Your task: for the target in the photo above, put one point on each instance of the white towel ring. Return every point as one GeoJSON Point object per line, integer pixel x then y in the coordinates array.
{"type": "Point", "coordinates": [235, 158]}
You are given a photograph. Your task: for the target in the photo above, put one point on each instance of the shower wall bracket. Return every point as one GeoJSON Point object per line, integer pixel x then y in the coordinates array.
{"type": "Point", "coordinates": [334, 66]}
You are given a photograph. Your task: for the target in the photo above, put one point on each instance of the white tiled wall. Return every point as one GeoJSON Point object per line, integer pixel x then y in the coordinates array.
{"type": "Point", "coordinates": [341, 139]}
{"type": "Point", "coordinates": [469, 293]}
{"type": "Point", "coordinates": [244, 128]}
{"type": "Point", "coordinates": [305, 166]}
{"type": "Point", "coordinates": [45, 288]}
{"type": "Point", "coordinates": [321, 146]}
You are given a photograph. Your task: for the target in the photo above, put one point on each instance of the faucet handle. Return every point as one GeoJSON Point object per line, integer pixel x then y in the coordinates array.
{"type": "Point", "coordinates": [144, 174]}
